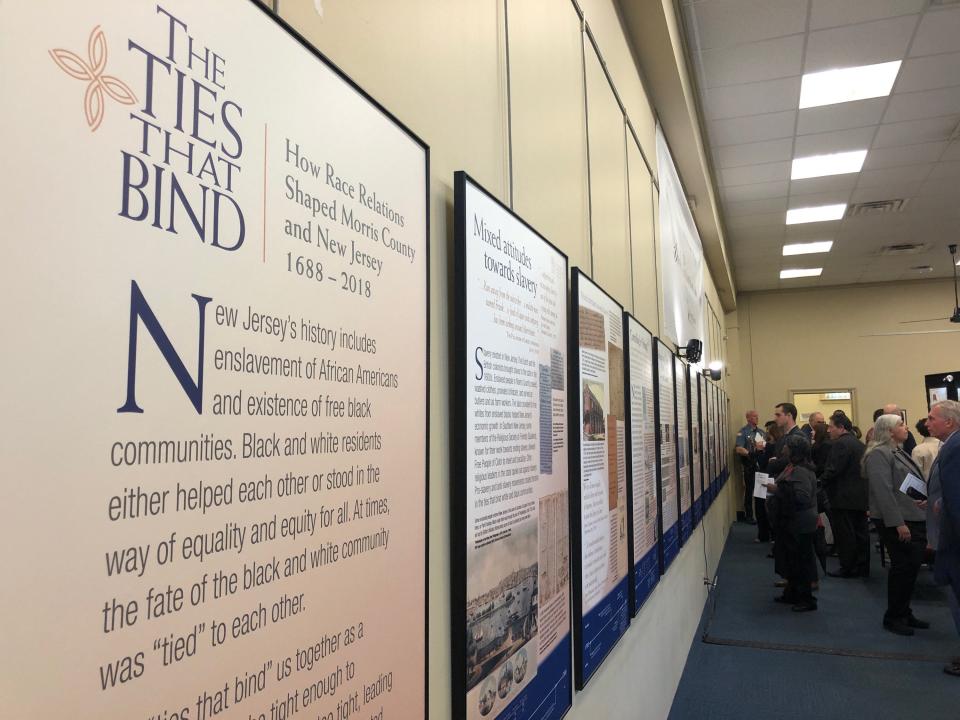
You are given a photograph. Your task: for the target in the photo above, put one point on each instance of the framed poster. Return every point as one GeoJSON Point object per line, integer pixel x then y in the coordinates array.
{"type": "Point", "coordinates": [510, 564]}
{"type": "Point", "coordinates": [694, 379]}
{"type": "Point", "coordinates": [643, 500]}
{"type": "Point", "coordinates": [718, 435]}
{"type": "Point", "coordinates": [667, 454]}
{"type": "Point", "coordinates": [685, 488]}
{"type": "Point", "coordinates": [598, 475]}
{"type": "Point", "coordinates": [725, 434]}
{"type": "Point", "coordinates": [219, 399]}
{"type": "Point", "coordinates": [711, 432]}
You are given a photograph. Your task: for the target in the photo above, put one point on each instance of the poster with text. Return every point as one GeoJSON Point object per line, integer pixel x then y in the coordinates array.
{"type": "Point", "coordinates": [683, 450]}
{"type": "Point", "coordinates": [598, 475]}
{"type": "Point", "coordinates": [725, 445]}
{"type": "Point", "coordinates": [696, 442]}
{"type": "Point", "coordinates": [715, 421]}
{"type": "Point", "coordinates": [215, 464]}
{"type": "Point", "coordinates": [666, 410]}
{"type": "Point", "coordinates": [644, 502]}
{"type": "Point", "coordinates": [510, 516]}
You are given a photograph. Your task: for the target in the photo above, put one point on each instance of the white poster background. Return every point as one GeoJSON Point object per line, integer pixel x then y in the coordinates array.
{"type": "Point", "coordinates": [668, 442]}
{"type": "Point", "coordinates": [72, 257]}
{"type": "Point", "coordinates": [603, 504]}
{"type": "Point", "coordinates": [681, 254]}
{"type": "Point", "coordinates": [643, 425]}
{"type": "Point", "coordinates": [516, 370]}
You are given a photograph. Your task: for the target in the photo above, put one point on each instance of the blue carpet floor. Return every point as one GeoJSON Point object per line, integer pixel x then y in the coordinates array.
{"type": "Point", "coordinates": [841, 663]}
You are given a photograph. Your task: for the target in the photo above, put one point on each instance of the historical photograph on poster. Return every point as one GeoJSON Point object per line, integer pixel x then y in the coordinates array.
{"type": "Point", "coordinates": [598, 477]}
{"type": "Point", "coordinates": [642, 463]}
{"type": "Point", "coordinates": [218, 372]}
{"type": "Point", "coordinates": [667, 453]}
{"type": "Point", "coordinates": [510, 516]}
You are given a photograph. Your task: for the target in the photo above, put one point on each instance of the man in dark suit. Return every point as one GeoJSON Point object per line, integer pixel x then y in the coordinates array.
{"type": "Point", "coordinates": [785, 415]}
{"type": "Point", "coordinates": [847, 492]}
{"type": "Point", "coordinates": [943, 422]}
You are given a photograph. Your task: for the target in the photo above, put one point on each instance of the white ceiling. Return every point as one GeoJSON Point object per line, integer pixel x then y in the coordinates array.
{"type": "Point", "coordinates": [749, 56]}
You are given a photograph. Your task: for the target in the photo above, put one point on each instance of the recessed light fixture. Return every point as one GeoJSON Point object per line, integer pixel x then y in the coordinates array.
{"type": "Point", "coordinates": [800, 272]}
{"type": "Point", "coordinates": [818, 213]}
{"type": "Point", "coordinates": [848, 84]}
{"type": "Point", "coordinates": [832, 164]}
{"type": "Point", "coordinates": [808, 248]}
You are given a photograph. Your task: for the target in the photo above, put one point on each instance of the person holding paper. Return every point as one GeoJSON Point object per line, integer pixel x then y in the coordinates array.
{"type": "Point", "coordinates": [902, 522]}
{"type": "Point", "coordinates": [943, 505]}
{"type": "Point", "coordinates": [846, 490]}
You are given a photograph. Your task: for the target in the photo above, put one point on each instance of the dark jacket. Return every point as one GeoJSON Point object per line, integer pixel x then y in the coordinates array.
{"type": "Point", "coordinates": [947, 567]}
{"type": "Point", "coordinates": [792, 507]}
{"type": "Point", "coordinates": [820, 453]}
{"type": "Point", "coordinates": [841, 478]}
{"type": "Point", "coordinates": [779, 462]}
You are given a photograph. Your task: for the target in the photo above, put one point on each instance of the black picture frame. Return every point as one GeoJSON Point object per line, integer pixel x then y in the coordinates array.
{"type": "Point", "coordinates": [641, 581]}
{"type": "Point", "coordinates": [460, 361]}
{"type": "Point", "coordinates": [583, 671]}
{"type": "Point", "coordinates": [669, 536]}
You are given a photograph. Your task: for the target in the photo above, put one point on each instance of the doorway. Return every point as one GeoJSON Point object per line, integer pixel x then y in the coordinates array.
{"type": "Point", "coordinates": [825, 401]}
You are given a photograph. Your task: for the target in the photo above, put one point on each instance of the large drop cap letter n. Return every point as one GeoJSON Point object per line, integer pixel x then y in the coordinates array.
{"type": "Point", "coordinates": [140, 310]}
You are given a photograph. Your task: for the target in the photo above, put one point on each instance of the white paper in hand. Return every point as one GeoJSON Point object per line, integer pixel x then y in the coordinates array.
{"type": "Point", "coordinates": [760, 481]}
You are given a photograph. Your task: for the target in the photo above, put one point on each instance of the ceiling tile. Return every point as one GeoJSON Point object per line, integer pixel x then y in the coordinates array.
{"type": "Point", "coordinates": [903, 155]}
{"type": "Point", "coordinates": [765, 60]}
{"type": "Point", "coordinates": [828, 184]}
{"type": "Point", "coordinates": [946, 171]}
{"type": "Point", "coordinates": [775, 219]}
{"type": "Point", "coordinates": [753, 128]}
{"type": "Point", "coordinates": [753, 207]}
{"type": "Point", "coordinates": [864, 44]}
{"type": "Point", "coordinates": [915, 131]}
{"type": "Point", "coordinates": [749, 174]}
{"type": "Point", "coordinates": [721, 23]}
{"type": "Point", "coordinates": [928, 73]}
{"type": "Point", "coordinates": [754, 153]}
{"type": "Point", "coordinates": [841, 116]}
{"type": "Point", "coordinates": [939, 32]}
{"type": "Point", "coordinates": [822, 198]}
{"type": "Point", "coordinates": [831, 142]}
{"type": "Point", "coordinates": [831, 13]}
{"type": "Point", "coordinates": [899, 174]}
{"type": "Point", "coordinates": [752, 98]}
{"type": "Point", "coordinates": [953, 151]}
{"type": "Point", "coordinates": [759, 191]}
{"type": "Point", "coordinates": [888, 191]}
{"type": "Point", "coordinates": [925, 104]}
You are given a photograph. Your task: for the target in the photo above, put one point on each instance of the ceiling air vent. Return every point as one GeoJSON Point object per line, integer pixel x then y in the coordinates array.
{"type": "Point", "coordinates": [903, 249]}
{"type": "Point", "coordinates": [922, 269]}
{"type": "Point", "coordinates": [877, 207]}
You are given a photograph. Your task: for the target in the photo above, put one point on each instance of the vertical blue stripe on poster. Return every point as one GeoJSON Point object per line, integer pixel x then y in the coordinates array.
{"type": "Point", "coordinates": [602, 627]}
{"type": "Point", "coordinates": [546, 421]}
{"type": "Point", "coordinates": [646, 575]}
{"type": "Point", "coordinates": [686, 525]}
{"type": "Point", "coordinates": [671, 544]}
{"type": "Point", "coordinates": [548, 696]}
{"type": "Point", "coordinates": [697, 510]}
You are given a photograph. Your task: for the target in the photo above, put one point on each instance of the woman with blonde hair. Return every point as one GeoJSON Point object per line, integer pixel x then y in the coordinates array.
{"type": "Point", "coordinates": [902, 522]}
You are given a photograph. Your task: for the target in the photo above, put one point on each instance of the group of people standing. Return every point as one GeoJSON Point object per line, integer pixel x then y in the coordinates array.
{"type": "Point", "coordinates": [910, 491]}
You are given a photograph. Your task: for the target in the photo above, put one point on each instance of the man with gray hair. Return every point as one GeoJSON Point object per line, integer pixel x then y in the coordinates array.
{"type": "Point", "coordinates": [943, 505]}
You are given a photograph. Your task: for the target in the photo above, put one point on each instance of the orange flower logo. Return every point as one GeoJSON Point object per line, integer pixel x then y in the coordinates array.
{"type": "Point", "coordinates": [91, 71]}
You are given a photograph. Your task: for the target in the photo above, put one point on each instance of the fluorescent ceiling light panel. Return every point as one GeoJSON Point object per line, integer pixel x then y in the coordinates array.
{"type": "Point", "coordinates": [848, 84]}
{"type": "Point", "coordinates": [799, 273]}
{"type": "Point", "coordinates": [808, 248]}
{"type": "Point", "coordinates": [818, 213]}
{"type": "Point", "coordinates": [832, 164]}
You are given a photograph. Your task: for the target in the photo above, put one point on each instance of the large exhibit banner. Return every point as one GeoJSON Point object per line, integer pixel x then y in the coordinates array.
{"type": "Point", "coordinates": [694, 380]}
{"type": "Point", "coordinates": [215, 454]}
{"type": "Point", "coordinates": [681, 254]}
{"type": "Point", "coordinates": [598, 475]}
{"type": "Point", "coordinates": [685, 490]}
{"type": "Point", "coordinates": [510, 564]}
{"type": "Point", "coordinates": [643, 499]}
{"type": "Point", "coordinates": [666, 411]}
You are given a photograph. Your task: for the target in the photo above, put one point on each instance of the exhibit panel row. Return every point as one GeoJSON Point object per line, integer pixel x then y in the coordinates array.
{"type": "Point", "coordinates": [216, 468]}
{"type": "Point", "coordinates": [577, 440]}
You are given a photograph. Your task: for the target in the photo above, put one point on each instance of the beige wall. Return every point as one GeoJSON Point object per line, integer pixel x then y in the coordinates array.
{"type": "Point", "coordinates": [845, 337]}
{"type": "Point", "coordinates": [578, 176]}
